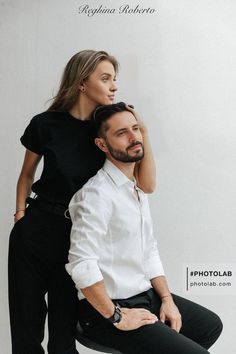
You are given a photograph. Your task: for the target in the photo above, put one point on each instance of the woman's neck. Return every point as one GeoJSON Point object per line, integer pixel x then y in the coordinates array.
{"type": "Point", "coordinates": [83, 108]}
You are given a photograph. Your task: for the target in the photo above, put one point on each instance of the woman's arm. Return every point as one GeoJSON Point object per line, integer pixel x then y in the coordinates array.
{"type": "Point", "coordinates": [25, 181]}
{"type": "Point", "coordinates": [145, 170]}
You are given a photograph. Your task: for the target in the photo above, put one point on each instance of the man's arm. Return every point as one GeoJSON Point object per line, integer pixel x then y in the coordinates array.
{"type": "Point", "coordinates": [168, 311]}
{"type": "Point", "coordinates": [131, 318]}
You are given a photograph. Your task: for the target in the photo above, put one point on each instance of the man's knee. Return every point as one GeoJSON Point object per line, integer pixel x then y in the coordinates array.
{"type": "Point", "coordinates": [217, 324]}
{"type": "Point", "coordinates": [214, 329]}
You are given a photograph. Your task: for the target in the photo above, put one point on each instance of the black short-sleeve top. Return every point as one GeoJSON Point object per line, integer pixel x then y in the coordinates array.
{"type": "Point", "coordinates": [70, 154]}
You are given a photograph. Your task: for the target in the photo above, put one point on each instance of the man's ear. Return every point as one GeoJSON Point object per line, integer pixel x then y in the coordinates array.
{"type": "Point", "coordinates": [100, 142]}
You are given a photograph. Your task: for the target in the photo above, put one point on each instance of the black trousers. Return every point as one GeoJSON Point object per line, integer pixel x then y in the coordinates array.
{"type": "Point", "coordinates": [200, 328]}
{"type": "Point", "coordinates": [38, 251]}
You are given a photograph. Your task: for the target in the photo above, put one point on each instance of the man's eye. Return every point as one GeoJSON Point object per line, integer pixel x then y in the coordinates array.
{"type": "Point", "coordinates": [120, 134]}
{"type": "Point", "coordinates": [104, 79]}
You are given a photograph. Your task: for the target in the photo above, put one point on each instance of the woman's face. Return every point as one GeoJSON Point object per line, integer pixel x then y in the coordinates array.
{"type": "Point", "coordinates": [100, 87]}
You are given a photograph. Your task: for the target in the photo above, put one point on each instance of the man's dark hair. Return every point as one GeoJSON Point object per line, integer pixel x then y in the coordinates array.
{"type": "Point", "coordinates": [102, 114]}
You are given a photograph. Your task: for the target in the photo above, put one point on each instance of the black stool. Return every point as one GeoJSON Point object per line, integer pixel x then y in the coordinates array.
{"type": "Point", "coordinates": [87, 342]}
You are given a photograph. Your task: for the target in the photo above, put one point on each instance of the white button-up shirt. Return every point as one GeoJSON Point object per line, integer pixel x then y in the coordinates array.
{"type": "Point", "coordinates": [111, 236]}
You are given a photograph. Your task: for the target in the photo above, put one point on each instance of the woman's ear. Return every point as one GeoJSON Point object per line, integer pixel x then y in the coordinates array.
{"type": "Point", "coordinates": [100, 142]}
{"type": "Point", "coordinates": [82, 88]}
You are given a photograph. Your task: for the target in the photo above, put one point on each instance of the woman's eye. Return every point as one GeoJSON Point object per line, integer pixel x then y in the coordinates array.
{"type": "Point", "coordinates": [105, 79]}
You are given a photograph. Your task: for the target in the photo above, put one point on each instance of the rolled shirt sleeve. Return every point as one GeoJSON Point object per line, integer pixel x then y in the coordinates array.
{"type": "Point", "coordinates": [153, 263]}
{"type": "Point", "coordinates": [90, 213]}
{"type": "Point", "coordinates": [154, 266]}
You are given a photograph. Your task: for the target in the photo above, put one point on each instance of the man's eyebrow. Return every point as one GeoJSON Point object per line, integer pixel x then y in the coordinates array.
{"type": "Point", "coordinates": [124, 129]}
{"type": "Point", "coordinates": [120, 130]}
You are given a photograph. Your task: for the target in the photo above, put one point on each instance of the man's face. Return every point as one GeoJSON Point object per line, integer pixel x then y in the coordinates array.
{"type": "Point", "coordinates": [123, 139]}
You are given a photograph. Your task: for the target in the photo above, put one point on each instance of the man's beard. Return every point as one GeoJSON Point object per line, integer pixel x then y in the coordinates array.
{"type": "Point", "coordinates": [124, 156]}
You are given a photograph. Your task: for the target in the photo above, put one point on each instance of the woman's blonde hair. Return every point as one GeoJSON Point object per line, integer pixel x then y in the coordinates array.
{"type": "Point", "coordinates": [76, 72]}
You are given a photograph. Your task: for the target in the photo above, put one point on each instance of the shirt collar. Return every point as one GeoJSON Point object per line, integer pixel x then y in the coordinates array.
{"type": "Point", "coordinates": [118, 177]}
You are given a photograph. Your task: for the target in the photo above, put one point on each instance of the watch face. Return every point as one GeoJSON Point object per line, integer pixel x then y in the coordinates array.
{"type": "Point", "coordinates": [116, 317]}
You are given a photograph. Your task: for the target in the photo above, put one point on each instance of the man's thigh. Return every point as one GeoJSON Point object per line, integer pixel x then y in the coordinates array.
{"type": "Point", "coordinates": [201, 328]}
{"type": "Point", "coordinates": [198, 323]}
{"type": "Point", "coordinates": [150, 339]}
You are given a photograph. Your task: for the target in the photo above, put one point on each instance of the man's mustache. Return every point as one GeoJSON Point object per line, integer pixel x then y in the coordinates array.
{"type": "Point", "coordinates": [134, 144]}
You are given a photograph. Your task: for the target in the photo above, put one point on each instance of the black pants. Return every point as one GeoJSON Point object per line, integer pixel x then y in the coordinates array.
{"type": "Point", "coordinates": [200, 328]}
{"type": "Point", "coordinates": [38, 251]}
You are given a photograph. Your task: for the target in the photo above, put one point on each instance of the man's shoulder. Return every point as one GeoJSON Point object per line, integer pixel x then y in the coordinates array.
{"type": "Point", "coordinates": [99, 186]}
{"type": "Point", "coordinates": [101, 182]}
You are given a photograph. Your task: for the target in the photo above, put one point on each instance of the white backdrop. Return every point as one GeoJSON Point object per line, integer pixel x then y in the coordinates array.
{"type": "Point", "coordinates": [178, 67]}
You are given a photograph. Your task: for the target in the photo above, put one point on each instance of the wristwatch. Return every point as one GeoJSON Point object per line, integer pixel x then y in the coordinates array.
{"type": "Point", "coordinates": [117, 315]}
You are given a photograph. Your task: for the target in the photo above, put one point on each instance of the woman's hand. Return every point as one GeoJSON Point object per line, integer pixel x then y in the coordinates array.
{"type": "Point", "coordinates": [142, 126]}
{"type": "Point", "coordinates": [18, 215]}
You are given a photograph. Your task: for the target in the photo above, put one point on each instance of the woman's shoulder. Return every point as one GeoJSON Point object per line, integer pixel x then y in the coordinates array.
{"type": "Point", "coordinates": [49, 115]}
{"type": "Point", "coordinates": [46, 118]}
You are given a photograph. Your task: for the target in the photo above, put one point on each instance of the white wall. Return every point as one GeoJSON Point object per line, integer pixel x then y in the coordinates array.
{"type": "Point", "coordinates": [178, 69]}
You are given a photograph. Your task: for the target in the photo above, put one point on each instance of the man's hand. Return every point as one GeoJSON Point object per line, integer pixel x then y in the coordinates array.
{"type": "Point", "coordinates": [169, 312]}
{"type": "Point", "coordinates": [135, 318]}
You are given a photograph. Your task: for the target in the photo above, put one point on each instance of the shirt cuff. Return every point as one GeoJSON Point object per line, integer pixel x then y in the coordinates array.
{"type": "Point", "coordinates": [84, 274]}
{"type": "Point", "coordinates": [154, 268]}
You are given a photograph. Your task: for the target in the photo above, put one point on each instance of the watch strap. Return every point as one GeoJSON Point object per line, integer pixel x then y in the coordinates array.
{"type": "Point", "coordinates": [117, 315]}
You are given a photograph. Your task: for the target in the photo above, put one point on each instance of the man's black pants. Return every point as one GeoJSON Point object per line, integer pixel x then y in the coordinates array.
{"type": "Point", "coordinates": [199, 331]}
{"type": "Point", "coordinates": [38, 251]}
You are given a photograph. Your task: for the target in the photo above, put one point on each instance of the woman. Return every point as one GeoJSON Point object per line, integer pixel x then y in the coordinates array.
{"type": "Point", "coordinates": [40, 239]}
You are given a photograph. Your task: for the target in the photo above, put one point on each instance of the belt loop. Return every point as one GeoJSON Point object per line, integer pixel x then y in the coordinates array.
{"type": "Point", "coordinates": [67, 214]}
{"type": "Point", "coordinates": [29, 200]}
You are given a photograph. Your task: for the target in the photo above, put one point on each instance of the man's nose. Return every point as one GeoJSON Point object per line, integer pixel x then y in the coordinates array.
{"type": "Point", "coordinates": [132, 136]}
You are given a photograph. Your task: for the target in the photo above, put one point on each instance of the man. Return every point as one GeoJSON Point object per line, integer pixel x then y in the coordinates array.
{"type": "Point", "coordinates": [125, 302]}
